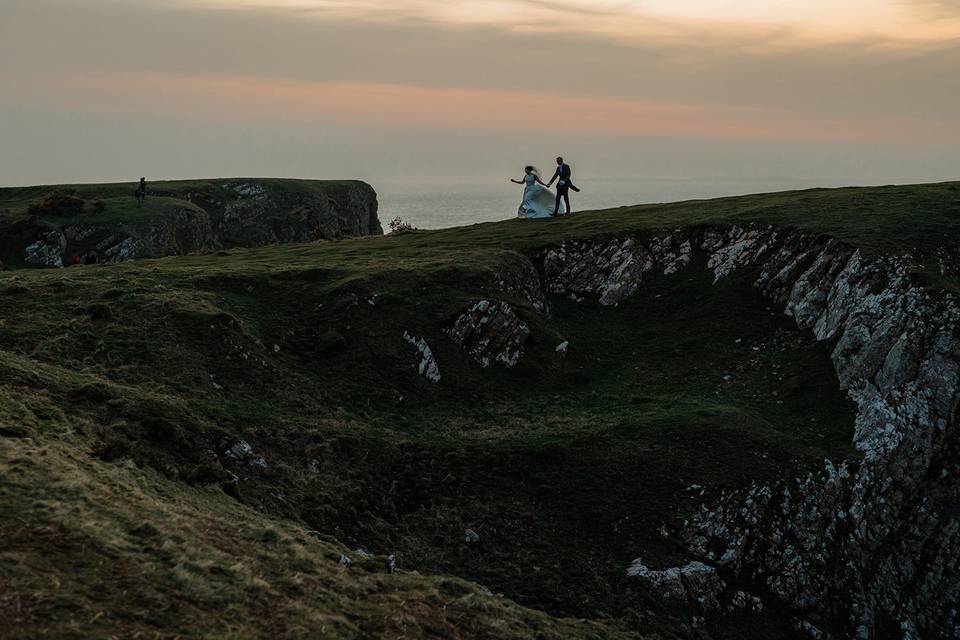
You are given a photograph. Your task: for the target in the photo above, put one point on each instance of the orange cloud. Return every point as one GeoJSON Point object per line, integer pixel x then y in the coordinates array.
{"type": "Point", "coordinates": [259, 99]}
{"type": "Point", "coordinates": [792, 22]}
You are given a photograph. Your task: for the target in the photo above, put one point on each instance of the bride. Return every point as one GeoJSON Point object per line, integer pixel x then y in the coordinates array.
{"type": "Point", "coordinates": [538, 200]}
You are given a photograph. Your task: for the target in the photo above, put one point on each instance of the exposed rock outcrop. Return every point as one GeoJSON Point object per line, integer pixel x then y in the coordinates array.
{"type": "Point", "coordinates": [427, 364]}
{"type": "Point", "coordinates": [264, 215]}
{"type": "Point", "coordinates": [46, 250]}
{"type": "Point", "coordinates": [612, 269]}
{"type": "Point", "coordinates": [518, 277]}
{"type": "Point", "coordinates": [694, 583]}
{"type": "Point", "coordinates": [672, 252]}
{"type": "Point", "coordinates": [872, 547]}
{"type": "Point", "coordinates": [491, 333]}
{"type": "Point", "coordinates": [877, 545]}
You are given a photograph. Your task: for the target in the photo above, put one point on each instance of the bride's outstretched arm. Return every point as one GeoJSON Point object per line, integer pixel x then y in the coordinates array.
{"type": "Point", "coordinates": [516, 181]}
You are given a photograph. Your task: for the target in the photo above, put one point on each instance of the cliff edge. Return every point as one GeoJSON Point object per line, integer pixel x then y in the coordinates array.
{"type": "Point", "coordinates": [49, 226]}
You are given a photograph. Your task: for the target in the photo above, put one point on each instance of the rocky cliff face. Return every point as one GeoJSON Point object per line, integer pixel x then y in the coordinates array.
{"type": "Point", "coordinates": [864, 549]}
{"type": "Point", "coordinates": [206, 218]}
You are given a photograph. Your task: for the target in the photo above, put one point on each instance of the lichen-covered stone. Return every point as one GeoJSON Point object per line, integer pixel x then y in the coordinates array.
{"type": "Point", "coordinates": [611, 270]}
{"type": "Point", "coordinates": [695, 583]}
{"type": "Point", "coordinates": [736, 248]}
{"type": "Point", "coordinates": [491, 333]}
{"type": "Point", "coordinates": [518, 277]}
{"type": "Point", "coordinates": [46, 251]}
{"type": "Point", "coordinates": [672, 252]}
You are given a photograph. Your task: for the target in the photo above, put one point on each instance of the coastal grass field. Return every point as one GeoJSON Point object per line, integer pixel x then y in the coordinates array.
{"type": "Point", "coordinates": [122, 388]}
{"type": "Point", "coordinates": [889, 219]}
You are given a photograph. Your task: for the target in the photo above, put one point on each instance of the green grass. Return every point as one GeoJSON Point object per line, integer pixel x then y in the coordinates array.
{"type": "Point", "coordinates": [887, 219]}
{"type": "Point", "coordinates": [566, 468]}
{"type": "Point", "coordinates": [97, 550]}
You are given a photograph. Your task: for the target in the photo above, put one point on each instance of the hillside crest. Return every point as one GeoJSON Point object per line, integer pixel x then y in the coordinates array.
{"type": "Point", "coordinates": [54, 226]}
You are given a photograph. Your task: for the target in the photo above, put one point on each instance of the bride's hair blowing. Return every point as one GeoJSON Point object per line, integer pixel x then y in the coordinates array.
{"type": "Point", "coordinates": [532, 169]}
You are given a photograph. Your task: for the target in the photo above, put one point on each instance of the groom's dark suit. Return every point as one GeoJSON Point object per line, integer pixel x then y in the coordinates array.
{"type": "Point", "coordinates": [564, 185]}
{"type": "Point", "coordinates": [563, 172]}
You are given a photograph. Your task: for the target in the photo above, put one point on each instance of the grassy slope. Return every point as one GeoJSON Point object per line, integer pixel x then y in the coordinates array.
{"type": "Point", "coordinates": [566, 469]}
{"type": "Point", "coordinates": [95, 551]}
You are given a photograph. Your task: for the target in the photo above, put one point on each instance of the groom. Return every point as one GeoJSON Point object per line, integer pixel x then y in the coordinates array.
{"type": "Point", "coordinates": [563, 172]}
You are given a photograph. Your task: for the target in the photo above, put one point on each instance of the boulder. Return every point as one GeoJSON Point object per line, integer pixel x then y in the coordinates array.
{"type": "Point", "coordinates": [46, 251]}
{"type": "Point", "coordinates": [518, 277]}
{"type": "Point", "coordinates": [491, 333]}
{"type": "Point", "coordinates": [694, 583]}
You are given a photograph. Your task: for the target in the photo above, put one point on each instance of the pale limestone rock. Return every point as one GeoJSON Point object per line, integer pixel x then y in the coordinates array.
{"type": "Point", "coordinates": [672, 252]}
{"type": "Point", "coordinates": [427, 365]}
{"type": "Point", "coordinates": [611, 269]}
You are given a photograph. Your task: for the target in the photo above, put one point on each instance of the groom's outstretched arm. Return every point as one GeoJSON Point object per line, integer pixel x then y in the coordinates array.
{"type": "Point", "coordinates": [555, 174]}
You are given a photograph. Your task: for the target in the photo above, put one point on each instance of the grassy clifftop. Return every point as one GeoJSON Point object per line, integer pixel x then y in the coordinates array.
{"type": "Point", "coordinates": [49, 225]}
{"type": "Point", "coordinates": [14, 201]}
{"type": "Point", "coordinates": [191, 443]}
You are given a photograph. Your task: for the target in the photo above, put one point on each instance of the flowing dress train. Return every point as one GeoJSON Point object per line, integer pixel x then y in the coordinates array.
{"type": "Point", "coordinates": [538, 201]}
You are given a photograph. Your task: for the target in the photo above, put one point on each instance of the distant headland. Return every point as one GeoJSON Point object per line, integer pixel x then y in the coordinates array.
{"type": "Point", "coordinates": [54, 226]}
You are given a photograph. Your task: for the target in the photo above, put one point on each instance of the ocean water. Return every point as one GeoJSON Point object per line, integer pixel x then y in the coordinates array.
{"type": "Point", "coordinates": [445, 204]}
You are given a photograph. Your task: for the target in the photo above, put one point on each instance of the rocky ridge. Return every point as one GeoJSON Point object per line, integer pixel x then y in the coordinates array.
{"type": "Point", "coordinates": [863, 549]}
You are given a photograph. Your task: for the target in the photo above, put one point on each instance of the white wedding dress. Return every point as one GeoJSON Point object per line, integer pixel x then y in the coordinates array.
{"type": "Point", "coordinates": [538, 201]}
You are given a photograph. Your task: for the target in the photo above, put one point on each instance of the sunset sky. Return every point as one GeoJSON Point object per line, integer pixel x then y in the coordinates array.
{"type": "Point", "coordinates": [857, 91]}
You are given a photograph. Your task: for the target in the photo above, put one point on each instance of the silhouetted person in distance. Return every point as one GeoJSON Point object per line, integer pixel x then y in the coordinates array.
{"type": "Point", "coordinates": [562, 175]}
{"type": "Point", "coordinates": [141, 192]}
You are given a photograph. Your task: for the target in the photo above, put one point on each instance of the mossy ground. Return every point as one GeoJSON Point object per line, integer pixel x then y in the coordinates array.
{"type": "Point", "coordinates": [131, 381]}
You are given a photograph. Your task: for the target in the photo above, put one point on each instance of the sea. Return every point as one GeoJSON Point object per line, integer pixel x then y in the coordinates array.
{"type": "Point", "coordinates": [439, 205]}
